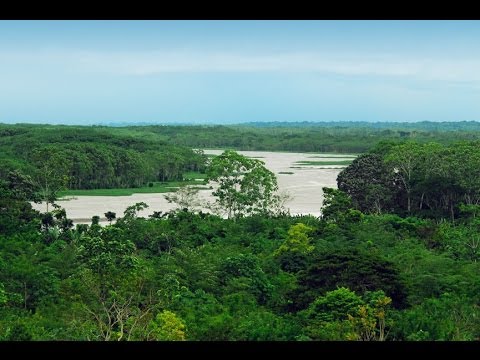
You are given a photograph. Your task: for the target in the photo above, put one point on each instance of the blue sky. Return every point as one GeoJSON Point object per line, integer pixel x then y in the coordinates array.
{"type": "Point", "coordinates": [86, 72]}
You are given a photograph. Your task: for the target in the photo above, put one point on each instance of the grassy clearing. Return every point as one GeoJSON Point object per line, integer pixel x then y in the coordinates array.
{"type": "Point", "coordinates": [192, 175]}
{"type": "Point", "coordinates": [338, 167]}
{"type": "Point", "coordinates": [158, 187]}
{"type": "Point", "coordinates": [332, 162]}
{"type": "Point", "coordinates": [286, 172]}
{"type": "Point", "coordinates": [333, 156]}
{"type": "Point", "coordinates": [317, 168]}
{"type": "Point", "coordinates": [115, 192]}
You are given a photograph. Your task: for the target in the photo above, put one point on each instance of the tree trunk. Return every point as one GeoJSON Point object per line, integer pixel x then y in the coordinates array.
{"type": "Point", "coordinates": [421, 201]}
{"type": "Point", "coordinates": [25, 295]}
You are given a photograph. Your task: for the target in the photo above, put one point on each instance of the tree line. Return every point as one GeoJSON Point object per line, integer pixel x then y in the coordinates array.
{"type": "Point", "coordinates": [348, 137]}
{"type": "Point", "coordinates": [426, 180]}
{"type": "Point", "coordinates": [91, 158]}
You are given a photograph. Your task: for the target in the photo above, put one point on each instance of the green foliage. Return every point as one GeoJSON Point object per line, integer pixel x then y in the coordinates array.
{"type": "Point", "coordinates": [296, 247]}
{"type": "Point", "coordinates": [110, 216]}
{"type": "Point", "coordinates": [356, 270]}
{"type": "Point", "coordinates": [320, 137]}
{"type": "Point", "coordinates": [368, 182]}
{"type": "Point", "coordinates": [297, 240]}
{"type": "Point", "coordinates": [335, 204]}
{"type": "Point", "coordinates": [243, 273]}
{"type": "Point", "coordinates": [262, 325]}
{"type": "Point", "coordinates": [337, 208]}
{"type": "Point", "coordinates": [448, 317]}
{"type": "Point", "coordinates": [3, 295]}
{"type": "Point", "coordinates": [370, 321]}
{"type": "Point", "coordinates": [221, 281]}
{"type": "Point", "coordinates": [335, 305]}
{"type": "Point", "coordinates": [196, 276]}
{"type": "Point", "coordinates": [244, 185]}
{"type": "Point", "coordinates": [19, 332]}
{"type": "Point", "coordinates": [461, 242]}
{"type": "Point", "coordinates": [158, 187]}
{"type": "Point", "coordinates": [16, 213]}
{"type": "Point", "coordinates": [411, 178]}
{"type": "Point", "coordinates": [166, 326]}
{"type": "Point", "coordinates": [62, 157]}
{"type": "Point", "coordinates": [342, 314]}
{"type": "Point", "coordinates": [107, 253]}
{"type": "Point", "coordinates": [320, 163]}
{"type": "Point", "coordinates": [132, 211]}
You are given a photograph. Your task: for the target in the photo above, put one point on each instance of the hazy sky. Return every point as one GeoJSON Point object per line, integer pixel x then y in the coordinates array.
{"type": "Point", "coordinates": [238, 71]}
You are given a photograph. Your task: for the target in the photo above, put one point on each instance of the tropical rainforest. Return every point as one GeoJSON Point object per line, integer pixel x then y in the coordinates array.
{"type": "Point", "coordinates": [394, 255]}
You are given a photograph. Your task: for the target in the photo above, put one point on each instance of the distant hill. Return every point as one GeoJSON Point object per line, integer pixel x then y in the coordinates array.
{"type": "Point", "coordinates": [420, 125]}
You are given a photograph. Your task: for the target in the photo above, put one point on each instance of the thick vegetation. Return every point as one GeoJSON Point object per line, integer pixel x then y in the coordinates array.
{"type": "Point", "coordinates": [200, 277]}
{"type": "Point", "coordinates": [328, 137]}
{"type": "Point", "coordinates": [426, 180]}
{"type": "Point", "coordinates": [62, 157]}
{"type": "Point", "coordinates": [376, 266]}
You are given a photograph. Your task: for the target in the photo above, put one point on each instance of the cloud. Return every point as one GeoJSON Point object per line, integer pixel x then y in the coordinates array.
{"type": "Point", "coordinates": [373, 65]}
{"type": "Point", "coordinates": [184, 61]}
{"type": "Point", "coordinates": [157, 62]}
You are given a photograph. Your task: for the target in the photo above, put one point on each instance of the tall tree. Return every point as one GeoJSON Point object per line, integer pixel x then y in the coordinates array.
{"type": "Point", "coordinates": [51, 175]}
{"type": "Point", "coordinates": [185, 197]}
{"type": "Point", "coordinates": [368, 182]}
{"type": "Point", "coordinates": [244, 186]}
{"type": "Point", "coordinates": [110, 216]}
{"type": "Point", "coordinates": [110, 285]}
{"type": "Point", "coordinates": [405, 160]}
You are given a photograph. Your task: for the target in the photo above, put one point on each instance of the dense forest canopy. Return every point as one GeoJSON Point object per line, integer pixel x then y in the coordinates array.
{"type": "Point", "coordinates": [92, 157]}
{"type": "Point", "coordinates": [350, 137]}
{"type": "Point", "coordinates": [427, 180]}
{"type": "Point", "coordinates": [394, 255]}
{"type": "Point", "coordinates": [336, 137]}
